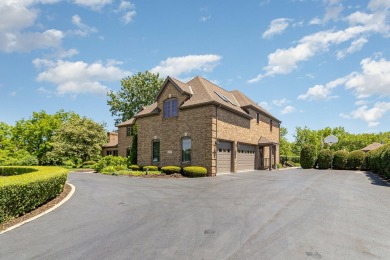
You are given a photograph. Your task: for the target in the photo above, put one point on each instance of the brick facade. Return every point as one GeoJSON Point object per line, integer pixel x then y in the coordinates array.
{"type": "Point", "coordinates": [207, 114]}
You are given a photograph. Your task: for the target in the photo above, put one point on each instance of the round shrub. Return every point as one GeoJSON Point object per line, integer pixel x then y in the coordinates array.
{"type": "Point", "coordinates": [134, 167]}
{"type": "Point", "coordinates": [325, 157]}
{"type": "Point", "coordinates": [150, 168]}
{"type": "Point", "coordinates": [308, 156]}
{"type": "Point", "coordinates": [110, 161]}
{"type": "Point", "coordinates": [171, 169]}
{"type": "Point", "coordinates": [340, 159]}
{"type": "Point", "coordinates": [194, 171]}
{"type": "Point", "coordinates": [113, 169]}
{"type": "Point", "coordinates": [355, 159]}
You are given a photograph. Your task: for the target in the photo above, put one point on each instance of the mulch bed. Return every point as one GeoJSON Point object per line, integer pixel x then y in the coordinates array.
{"type": "Point", "coordinates": [38, 210]}
{"type": "Point", "coordinates": [162, 175]}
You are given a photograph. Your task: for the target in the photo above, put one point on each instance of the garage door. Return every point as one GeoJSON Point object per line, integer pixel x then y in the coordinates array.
{"type": "Point", "coordinates": [224, 157]}
{"type": "Point", "coordinates": [245, 157]}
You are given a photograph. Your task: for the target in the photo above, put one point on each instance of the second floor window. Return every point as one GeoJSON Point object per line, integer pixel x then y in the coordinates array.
{"type": "Point", "coordinates": [129, 131]}
{"type": "Point", "coordinates": [170, 108]}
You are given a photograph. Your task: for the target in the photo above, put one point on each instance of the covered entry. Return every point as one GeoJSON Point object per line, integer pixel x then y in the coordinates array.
{"type": "Point", "coordinates": [246, 157]}
{"type": "Point", "coordinates": [267, 156]}
{"type": "Point", "coordinates": [224, 157]}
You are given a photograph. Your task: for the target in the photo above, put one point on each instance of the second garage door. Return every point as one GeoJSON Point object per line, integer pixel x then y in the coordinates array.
{"type": "Point", "coordinates": [245, 157]}
{"type": "Point", "coordinates": [224, 157]}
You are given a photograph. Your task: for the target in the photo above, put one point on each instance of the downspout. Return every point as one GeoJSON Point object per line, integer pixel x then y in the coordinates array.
{"type": "Point", "coordinates": [216, 139]}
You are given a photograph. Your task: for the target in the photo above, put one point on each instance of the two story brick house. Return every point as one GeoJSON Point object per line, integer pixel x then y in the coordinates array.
{"type": "Point", "coordinates": [200, 123]}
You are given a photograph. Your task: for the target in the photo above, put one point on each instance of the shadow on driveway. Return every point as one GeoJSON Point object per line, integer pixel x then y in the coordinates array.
{"type": "Point", "coordinates": [376, 179]}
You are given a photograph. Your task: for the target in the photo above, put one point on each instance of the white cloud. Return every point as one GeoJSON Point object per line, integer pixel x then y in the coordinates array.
{"type": "Point", "coordinates": [318, 92]}
{"type": "Point", "coordinates": [373, 80]}
{"type": "Point", "coordinates": [333, 10]}
{"type": "Point", "coordinates": [175, 66]}
{"type": "Point", "coordinates": [127, 10]}
{"type": "Point", "coordinates": [265, 105]}
{"type": "Point", "coordinates": [315, 21]}
{"type": "Point", "coordinates": [361, 102]}
{"type": "Point", "coordinates": [370, 115]}
{"type": "Point", "coordinates": [355, 46]}
{"type": "Point", "coordinates": [276, 27]}
{"type": "Point", "coordinates": [79, 77]}
{"type": "Point", "coordinates": [284, 61]}
{"type": "Point", "coordinates": [379, 4]}
{"type": "Point", "coordinates": [15, 17]}
{"type": "Point", "coordinates": [93, 4]}
{"type": "Point", "coordinates": [287, 110]}
{"type": "Point", "coordinates": [83, 29]}
{"type": "Point", "coordinates": [279, 102]}
{"type": "Point", "coordinates": [205, 18]}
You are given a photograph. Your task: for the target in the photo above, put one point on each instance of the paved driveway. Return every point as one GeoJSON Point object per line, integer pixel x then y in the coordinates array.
{"type": "Point", "coordinates": [296, 214]}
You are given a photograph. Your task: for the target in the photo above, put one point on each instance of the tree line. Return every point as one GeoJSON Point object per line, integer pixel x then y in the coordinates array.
{"type": "Point", "coordinates": [346, 141]}
{"type": "Point", "coordinates": [51, 139]}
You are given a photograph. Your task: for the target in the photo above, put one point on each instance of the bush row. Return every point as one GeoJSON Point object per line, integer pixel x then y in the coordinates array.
{"type": "Point", "coordinates": [22, 193]}
{"type": "Point", "coordinates": [378, 161]}
{"type": "Point", "coordinates": [285, 158]}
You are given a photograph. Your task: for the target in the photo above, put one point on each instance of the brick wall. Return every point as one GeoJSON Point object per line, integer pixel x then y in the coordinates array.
{"type": "Point", "coordinates": [125, 141]}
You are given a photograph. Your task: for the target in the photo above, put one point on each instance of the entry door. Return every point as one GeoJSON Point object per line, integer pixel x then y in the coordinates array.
{"type": "Point", "coordinates": [224, 157]}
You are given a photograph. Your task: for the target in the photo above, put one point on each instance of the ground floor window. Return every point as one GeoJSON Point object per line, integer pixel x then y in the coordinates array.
{"type": "Point", "coordinates": [112, 152]}
{"type": "Point", "coordinates": [156, 150]}
{"type": "Point", "coordinates": [186, 144]}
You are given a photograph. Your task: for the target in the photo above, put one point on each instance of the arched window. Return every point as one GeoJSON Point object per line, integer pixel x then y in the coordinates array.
{"type": "Point", "coordinates": [170, 108]}
{"type": "Point", "coordinates": [186, 144]}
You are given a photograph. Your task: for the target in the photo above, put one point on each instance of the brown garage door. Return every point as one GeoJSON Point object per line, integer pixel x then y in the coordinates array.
{"type": "Point", "coordinates": [224, 157]}
{"type": "Point", "coordinates": [245, 157]}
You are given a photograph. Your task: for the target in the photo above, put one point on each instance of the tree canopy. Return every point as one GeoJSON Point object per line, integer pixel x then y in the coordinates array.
{"type": "Point", "coordinates": [136, 92]}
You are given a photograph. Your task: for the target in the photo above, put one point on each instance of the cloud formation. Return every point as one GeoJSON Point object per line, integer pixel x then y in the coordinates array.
{"type": "Point", "coordinates": [15, 18]}
{"type": "Point", "coordinates": [276, 27]}
{"type": "Point", "coordinates": [176, 66]}
{"type": "Point", "coordinates": [127, 9]}
{"type": "Point", "coordinates": [287, 110]}
{"type": "Point", "coordinates": [79, 77]}
{"type": "Point", "coordinates": [369, 115]}
{"type": "Point", "coordinates": [361, 26]}
{"type": "Point", "coordinates": [83, 29]}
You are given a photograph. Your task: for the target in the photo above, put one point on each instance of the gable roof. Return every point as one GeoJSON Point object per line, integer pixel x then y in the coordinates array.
{"type": "Point", "coordinates": [371, 147]}
{"type": "Point", "coordinates": [113, 142]}
{"type": "Point", "coordinates": [180, 86]}
{"type": "Point", "coordinates": [203, 92]}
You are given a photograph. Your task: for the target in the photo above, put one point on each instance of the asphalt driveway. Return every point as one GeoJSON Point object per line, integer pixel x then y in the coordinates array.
{"type": "Point", "coordinates": [295, 214]}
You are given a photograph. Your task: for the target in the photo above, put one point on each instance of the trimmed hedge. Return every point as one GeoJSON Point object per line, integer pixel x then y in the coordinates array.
{"type": "Point", "coordinates": [150, 168]}
{"type": "Point", "coordinates": [356, 159]}
{"type": "Point", "coordinates": [134, 167]}
{"type": "Point", "coordinates": [113, 169]}
{"type": "Point", "coordinates": [171, 169]}
{"type": "Point", "coordinates": [22, 193]}
{"type": "Point", "coordinates": [325, 157]}
{"type": "Point", "coordinates": [340, 159]}
{"type": "Point", "coordinates": [308, 156]}
{"type": "Point", "coordinates": [10, 171]}
{"type": "Point", "coordinates": [194, 171]}
{"type": "Point", "coordinates": [378, 161]}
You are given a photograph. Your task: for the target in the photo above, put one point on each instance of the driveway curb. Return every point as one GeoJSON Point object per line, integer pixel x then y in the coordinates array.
{"type": "Point", "coordinates": [45, 212]}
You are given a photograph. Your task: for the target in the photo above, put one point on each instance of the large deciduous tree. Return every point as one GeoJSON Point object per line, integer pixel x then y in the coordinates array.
{"type": "Point", "coordinates": [35, 134]}
{"type": "Point", "coordinates": [136, 92]}
{"type": "Point", "coordinates": [78, 139]}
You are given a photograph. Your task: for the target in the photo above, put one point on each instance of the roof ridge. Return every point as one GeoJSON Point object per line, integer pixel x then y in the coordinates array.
{"type": "Point", "coordinates": [206, 88]}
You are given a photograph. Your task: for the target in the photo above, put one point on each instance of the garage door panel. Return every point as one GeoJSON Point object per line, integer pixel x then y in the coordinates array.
{"type": "Point", "coordinates": [224, 157]}
{"type": "Point", "coordinates": [246, 157]}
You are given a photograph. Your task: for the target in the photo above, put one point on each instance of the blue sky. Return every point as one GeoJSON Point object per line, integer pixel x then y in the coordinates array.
{"type": "Point", "coordinates": [309, 62]}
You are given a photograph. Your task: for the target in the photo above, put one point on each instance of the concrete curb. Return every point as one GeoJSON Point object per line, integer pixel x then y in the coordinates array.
{"type": "Point", "coordinates": [45, 212]}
